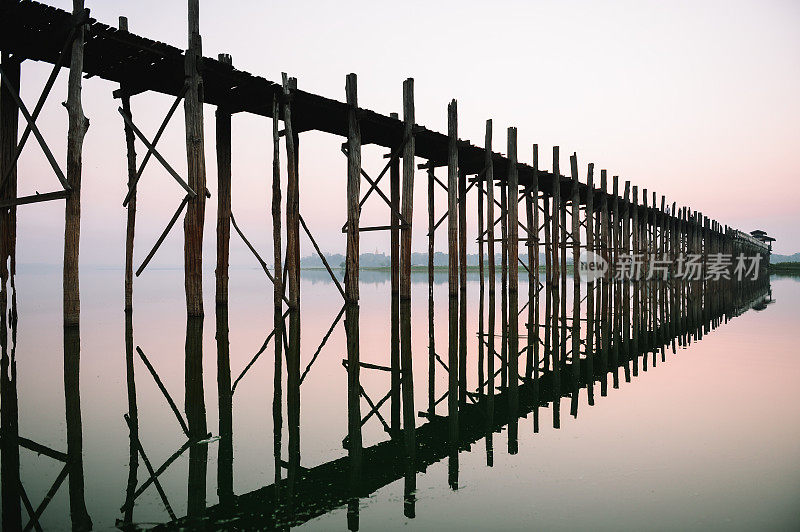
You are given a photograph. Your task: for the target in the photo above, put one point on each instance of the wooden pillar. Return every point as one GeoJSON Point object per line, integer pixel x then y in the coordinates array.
{"type": "Point", "coordinates": [605, 334]}
{"type": "Point", "coordinates": [293, 281]}
{"type": "Point", "coordinates": [504, 284]}
{"type": "Point", "coordinates": [615, 300]}
{"type": "Point", "coordinates": [277, 294]}
{"type": "Point", "coordinates": [353, 191]}
{"type": "Point", "coordinates": [431, 335]}
{"type": "Point", "coordinates": [78, 124]}
{"type": "Point", "coordinates": [513, 290]}
{"type": "Point", "coordinates": [223, 137]}
{"type": "Point", "coordinates": [351, 276]}
{"type": "Point", "coordinates": [576, 282]}
{"type": "Point", "coordinates": [452, 254]}
{"type": "Point", "coordinates": [130, 224]}
{"type": "Point", "coordinates": [394, 252]}
{"type": "Point", "coordinates": [196, 167]}
{"type": "Point", "coordinates": [555, 239]}
{"type": "Point", "coordinates": [407, 377]}
{"type": "Point", "coordinates": [490, 357]}
{"type": "Point", "coordinates": [590, 305]}
{"type": "Point", "coordinates": [462, 287]}
{"type": "Point", "coordinates": [532, 329]}
{"type": "Point", "coordinates": [9, 421]}
{"type": "Point", "coordinates": [481, 286]}
{"type": "Point", "coordinates": [634, 348]}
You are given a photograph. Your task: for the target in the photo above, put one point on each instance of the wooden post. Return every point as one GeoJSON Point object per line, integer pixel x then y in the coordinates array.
{"type": "Point", "coordinates": [353, 192]}
{"type": "Point", "coordinates": [277, 285]}
{"type": "Point", "coordinates": [406, 358]}
{"type": "Point", "coordinates": [351, 276]}
{"type": "Point", "coordinates": [431, 335]}
{"type": "Point", "coordinates": [532, 329]}
{"type": "Point", "coordinates": [481, 288]}
{"type": "Point", "coordinates": [9, 421]}
{"type": "Point", "coordinates": [223, 134]}
{"type": "Point", "coordinates": [462, 285]}
{"type": "Point", "coordinates": [636, 255]}
{"type": "Point", "coordinates": [130, 225]}
{"type": "Point", "coordinates": [394, 252]}
{"type": "Point", "coordinates": [590, 305]}
{"type": "Point", "coordinates": [292, 272]}
{"type": "Point", "coordinates": [576, 282]}
{"type": "Point", "coordinates": [78, 124]}
{"type": "Point", "coordinates": [504, 284]}
{"type": "Point", "coordinates": [452, 253]}
{"type": "Point", "coordinates": [196, 167]}
{"type": "Point", "coordinates": [512, 223]}
{"type": "Point", "coordinates": [490, 352]}
{"type": "Point", "coordinates": [555, 238]}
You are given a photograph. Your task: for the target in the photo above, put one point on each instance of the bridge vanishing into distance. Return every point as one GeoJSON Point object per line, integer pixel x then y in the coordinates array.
{"type": "Point", "coordinates": [613, 324]}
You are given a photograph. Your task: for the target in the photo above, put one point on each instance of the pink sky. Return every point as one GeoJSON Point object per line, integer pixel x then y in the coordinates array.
{"type": "Point", "coordinates": [695, 101]}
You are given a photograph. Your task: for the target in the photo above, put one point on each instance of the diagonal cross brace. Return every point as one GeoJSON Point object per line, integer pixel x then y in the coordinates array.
{"type": "Point", "coordinates": [36, 133]}
{"type": "Point", "coordinates": [151, 148]}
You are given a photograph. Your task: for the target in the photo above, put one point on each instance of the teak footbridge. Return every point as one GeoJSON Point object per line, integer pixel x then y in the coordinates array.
{"type": "Point", "coordinates": [623, 321]}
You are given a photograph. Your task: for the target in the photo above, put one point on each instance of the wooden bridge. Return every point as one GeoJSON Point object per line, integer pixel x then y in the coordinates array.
{"type": "Point", "coordinates": [564, 216]}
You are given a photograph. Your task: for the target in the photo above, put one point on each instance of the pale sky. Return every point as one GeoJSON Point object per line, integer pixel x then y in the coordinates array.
{"type": "Point", "coordinates": [695, 100]}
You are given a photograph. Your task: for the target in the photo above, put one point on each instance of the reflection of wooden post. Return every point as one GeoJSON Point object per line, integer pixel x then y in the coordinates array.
{"type": "Point", "coordinates": [223, 146]}
{"type": "Point", "coordinates": [512, 216]}
{"type": "Point", "coordinates": [225, 401]}
{"type": "Point", "coordinates": [196, 167]}
{"type": "Point", "coordinates": [195, 408]}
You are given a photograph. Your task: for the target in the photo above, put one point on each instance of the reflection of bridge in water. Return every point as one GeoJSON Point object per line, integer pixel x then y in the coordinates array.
{"type": "Point", "coordinates": [610, 327]}
{"type": "Point", "coordinates": [679, 314]}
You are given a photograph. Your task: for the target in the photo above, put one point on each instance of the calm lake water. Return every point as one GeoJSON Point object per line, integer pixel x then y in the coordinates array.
{"type": "Point", "coordinates": [707, 439]}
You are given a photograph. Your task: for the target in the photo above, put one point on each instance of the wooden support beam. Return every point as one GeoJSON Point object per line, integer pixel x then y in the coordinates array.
{"type": "Point", "coordinates": [223, 145]}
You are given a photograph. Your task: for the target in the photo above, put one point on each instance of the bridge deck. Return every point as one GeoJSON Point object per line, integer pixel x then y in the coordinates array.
{"type": "Point", "coordinates": [35, 31]}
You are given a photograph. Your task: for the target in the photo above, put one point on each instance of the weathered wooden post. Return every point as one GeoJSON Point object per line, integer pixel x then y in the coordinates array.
{"type": "Point", "coordinates": [407, 377]}
{"type": "Point", "coordinates": [196, 167]}
{"type": "Point", "coordinates": [394, 252]}
{"type": "Point", "coordinates": [78, 125]}
{"type": "Point", "coordinates": [351, 274]}
{"type": "Point", "coordinates": [9, 422]}
{"type": "Point", "coordinates": [431, 335]}
{"type": "Point", "coordinates": [576, 282]}
{"type": "Point", "coordinates": [277, 293]}
{"type": "Point", "coordinates": [223, 145]}
{"type": "Point", "coordinates": [130, 224]}
{"type": "Point", "coordinates": [462, 287]}
{"type": "Point", "coordinates": [490, 358]}
{"type": "Point", "coordinates": [636, 281]}
{"type": "Point", "coordinates": [590, 305]}
{"type": "Point", "coordinates": [513, 290]}
{"type": "Point", "coordinates": [554, 286]}
{"type": "Point", "coordinates": [452, 253]}
{"type": "Point", "coordinates": [532, 329]}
